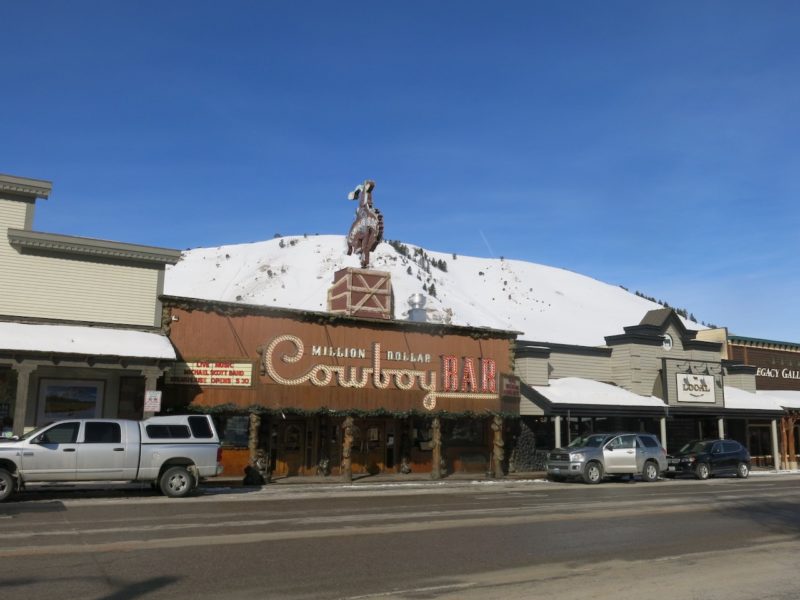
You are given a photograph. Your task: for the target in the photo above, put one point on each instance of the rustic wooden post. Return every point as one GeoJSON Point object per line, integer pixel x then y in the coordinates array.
{"type": "Point", "coordinates": [253, 471]}
{"type": "Point", "coordinates": [436, 458]}
{"type": "Point", "coordinates": [784, 462]}
{"type": "Point", "coordinates": [791, 451]}
{"type": "Point", "coordinates": [347, 450]}
{"type": "Point", "coordinates": [498, 452]}
{"type": "Point", "coordinates": [252, 440]}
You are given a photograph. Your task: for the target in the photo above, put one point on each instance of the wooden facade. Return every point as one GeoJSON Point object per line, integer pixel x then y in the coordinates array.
{"type": "Point", "coordinates": [305, 373]}
{"type": "Point", "coordinates": [777, 369]}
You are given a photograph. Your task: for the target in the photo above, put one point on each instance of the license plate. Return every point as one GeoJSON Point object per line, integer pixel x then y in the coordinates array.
{"type": "Point", "coordinates": [671, 468]}
{"type": "Point", "coordinates": [556, 470]}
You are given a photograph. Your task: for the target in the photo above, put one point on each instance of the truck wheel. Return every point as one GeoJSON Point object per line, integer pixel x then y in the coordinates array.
{"type": "Point", "coordinates": [6, 485]}
{"type": "Point", "coordinates": [650, 472]}
{"type": "Point", "coordinates": [176, 482]}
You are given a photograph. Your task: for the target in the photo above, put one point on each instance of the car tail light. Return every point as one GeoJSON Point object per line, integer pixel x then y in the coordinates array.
{"type": "Point", "coordinates": [219, 454]}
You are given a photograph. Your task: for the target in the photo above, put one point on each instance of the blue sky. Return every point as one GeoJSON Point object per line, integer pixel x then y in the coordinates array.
{"type": "Point", "coordinates": [648, 144]}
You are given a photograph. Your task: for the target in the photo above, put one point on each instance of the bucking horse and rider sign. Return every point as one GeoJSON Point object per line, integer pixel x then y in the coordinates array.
{"type": "Point", "coordinates": [366, 232]}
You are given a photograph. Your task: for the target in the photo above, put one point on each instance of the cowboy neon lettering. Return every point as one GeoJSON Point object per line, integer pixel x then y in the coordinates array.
{"type": "Point", "coordinates": [405, 379]}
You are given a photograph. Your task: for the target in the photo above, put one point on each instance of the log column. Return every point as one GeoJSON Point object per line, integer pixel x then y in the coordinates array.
{"type": "Point", "coordinates": [498, 447]}
{"type": "Point", "coordinates": [253, 472]}
{"type": "Point", "coordinates": [347, 450]}
{"type": "Point", "coordinates": [436, 458]}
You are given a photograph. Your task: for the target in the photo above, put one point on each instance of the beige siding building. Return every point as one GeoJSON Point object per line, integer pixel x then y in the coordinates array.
{"type": "Point", "coordinates": [80, 318]}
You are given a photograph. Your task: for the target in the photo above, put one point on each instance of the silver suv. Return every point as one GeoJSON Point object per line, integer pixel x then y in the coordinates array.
{"type": "Point", "coordinates": [596, 455]}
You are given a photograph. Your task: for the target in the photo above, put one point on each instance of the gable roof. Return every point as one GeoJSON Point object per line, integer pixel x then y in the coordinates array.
{"type": "Point", "coordinates": [651, 329]}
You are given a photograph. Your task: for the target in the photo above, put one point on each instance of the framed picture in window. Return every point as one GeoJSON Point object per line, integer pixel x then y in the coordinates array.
{"type": "Point", "coordinates": [69, 399]}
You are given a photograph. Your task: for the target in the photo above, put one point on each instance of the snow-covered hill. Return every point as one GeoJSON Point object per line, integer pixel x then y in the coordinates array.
{"type": "Point", "coordinates": [544, 303]}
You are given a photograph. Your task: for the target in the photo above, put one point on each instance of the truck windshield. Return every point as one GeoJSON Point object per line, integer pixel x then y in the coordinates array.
{"type": "Point", "coordinates": [33, 432]}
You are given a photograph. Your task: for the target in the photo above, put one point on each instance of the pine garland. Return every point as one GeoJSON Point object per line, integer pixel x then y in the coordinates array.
{"type": "Point", "coordinates": [232, 409]}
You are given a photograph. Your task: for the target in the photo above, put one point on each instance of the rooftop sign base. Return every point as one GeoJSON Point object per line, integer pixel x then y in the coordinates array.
{"type": "Point", "coordinates": [361, 293]}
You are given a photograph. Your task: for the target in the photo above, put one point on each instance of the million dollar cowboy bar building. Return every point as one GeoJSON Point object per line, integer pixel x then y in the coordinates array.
{"type": "Point", "coordinates": [302, 393]}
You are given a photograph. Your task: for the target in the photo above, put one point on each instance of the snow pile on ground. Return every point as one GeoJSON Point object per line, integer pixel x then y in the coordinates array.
{"type": "Point", "coordinates": [543, 303]}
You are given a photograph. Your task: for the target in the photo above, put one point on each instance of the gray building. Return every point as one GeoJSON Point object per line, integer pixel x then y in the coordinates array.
{"type": "Point", "coordinates": [656, 376]}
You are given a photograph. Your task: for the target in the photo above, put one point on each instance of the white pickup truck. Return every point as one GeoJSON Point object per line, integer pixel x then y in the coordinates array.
{"type": "Point", "coordinates": [173, 453]}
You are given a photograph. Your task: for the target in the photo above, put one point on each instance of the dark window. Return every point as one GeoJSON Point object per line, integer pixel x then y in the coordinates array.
{"type": "Point", "coordinates": [648, 441]}
{"type": "Point", "coordinates": [463, 432]}
{"type": "Point", "coordinates": [200, 427]}
{"type": "Point", "coordinates": [623, 441]}
{"type": "Point", "coordinates": [168, 431]}
{"type": "Point", "coordinates": [292, 439]}
{"type": "Point", "coordinates": [236, 431]}
{"type": "Point", "coordinates": [730, 446]}
{"type": "Point", "coordinates": [102, 433]}
{"type": "Point", "coordinates": [65, 433]}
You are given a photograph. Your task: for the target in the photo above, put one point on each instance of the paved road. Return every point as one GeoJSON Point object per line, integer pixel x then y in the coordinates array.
{"type": "Point", "coordinates": [685, 539]}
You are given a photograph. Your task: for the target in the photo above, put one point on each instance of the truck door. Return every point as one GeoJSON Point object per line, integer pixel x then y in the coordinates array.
{"type": "Point", "coordinates": [619, 455]}
{"type": "Point", "coordinates": [101, 453]}
{"type": "Point", "coordinates": [52, 455]}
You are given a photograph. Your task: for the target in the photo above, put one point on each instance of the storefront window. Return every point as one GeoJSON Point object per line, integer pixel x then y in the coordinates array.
{"type": "Point", "coordinates": [69, 399]}
{"type": "Point", "coordinates": [465, 432]}
{"type": "Point", "coordinates": [236, 431]}
{"type": "Point", "coordinates": [423, 435]}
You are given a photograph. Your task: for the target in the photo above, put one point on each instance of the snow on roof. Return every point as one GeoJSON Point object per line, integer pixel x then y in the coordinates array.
{"type": "Point", "coordinates": [575, 390]}
{"type": "Point", "coordinates": [782, 398]}
{"type": "Point", "coordinates": [92, 341]}
{"type": "Point", "coordinates": [741, 399]}
{"type": "Point", "coordinates": [546, 304]}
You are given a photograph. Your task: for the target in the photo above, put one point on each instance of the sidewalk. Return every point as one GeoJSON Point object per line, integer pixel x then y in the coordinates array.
{"type": "Point", "coordinates": [382, 478]}
{"type": "Point", "coordinates": [416, 479]}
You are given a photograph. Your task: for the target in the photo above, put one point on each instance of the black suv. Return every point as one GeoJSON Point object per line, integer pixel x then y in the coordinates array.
{"type": "Point", "coordinates": [704, 458]}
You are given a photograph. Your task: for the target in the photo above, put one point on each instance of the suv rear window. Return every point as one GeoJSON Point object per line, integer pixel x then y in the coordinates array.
{"type": "Point", "coordinates": [648, 441]}
{"type": "Point", "coordinates": [168, 431]}
{"type": "Point", "coordinates": [200, 427]}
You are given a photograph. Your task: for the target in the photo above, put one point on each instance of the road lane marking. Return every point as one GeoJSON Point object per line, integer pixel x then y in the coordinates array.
{"type": "Point", "coordinates": [419, 590]}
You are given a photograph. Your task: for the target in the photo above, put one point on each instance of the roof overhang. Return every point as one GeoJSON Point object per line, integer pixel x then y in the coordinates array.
{"type": "Point", "coordinates": [24, 186]}
{"type": "Point", "coordinates": [589, 397]}
{"type": "Point", "coordinates": [22, 239]}
{"type": "Point", "coordinates": [75, 340]}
